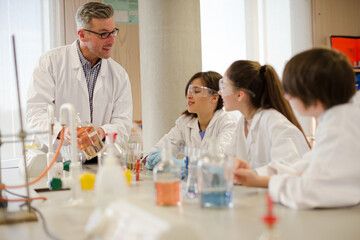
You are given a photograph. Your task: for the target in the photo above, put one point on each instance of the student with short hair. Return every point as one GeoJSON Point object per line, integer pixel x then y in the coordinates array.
{"type": "Point", "coordinates": [319, 83]}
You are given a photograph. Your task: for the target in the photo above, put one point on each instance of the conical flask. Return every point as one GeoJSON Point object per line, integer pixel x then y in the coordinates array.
{"type": "Point", "coordinates": [111, 147]}
{"type": "Point", "coordinates": [110, 181]}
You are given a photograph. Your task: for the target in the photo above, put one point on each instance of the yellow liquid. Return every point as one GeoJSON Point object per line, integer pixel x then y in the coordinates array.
{"type": "Point", "coordinates": [132, 166]}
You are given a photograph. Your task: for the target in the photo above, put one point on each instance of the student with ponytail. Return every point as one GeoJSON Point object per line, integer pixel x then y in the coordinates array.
{"type": "Point", "coordinates": [268, 137]}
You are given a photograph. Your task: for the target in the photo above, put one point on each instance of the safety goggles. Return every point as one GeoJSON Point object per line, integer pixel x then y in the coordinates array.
{"type": "Point", "coordinates": [226, 89]}
{"type": "Point", "coordinates": [200, 91]}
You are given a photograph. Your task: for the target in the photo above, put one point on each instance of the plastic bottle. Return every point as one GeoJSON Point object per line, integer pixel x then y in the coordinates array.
{"type": "Point", "coordinates": [215, 177]}
{"type": "Point", "coordinates": [88, 139]}
{"type": "Point", "coordinates": [111, 147]}
{"type": "Point", "coordinates": [110, 183]}
{"type": "Point", "coordinates": [167, 179]}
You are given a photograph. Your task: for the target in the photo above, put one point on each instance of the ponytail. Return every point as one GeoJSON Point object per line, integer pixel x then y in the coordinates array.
{"type": "Point", "coordinates": [266, 86]}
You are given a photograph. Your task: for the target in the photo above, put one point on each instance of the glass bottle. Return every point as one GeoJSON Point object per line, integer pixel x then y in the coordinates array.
{"type": "Point", "coordinates": [191, 182]}
{"type": "Point", "coordinates": [167, 179]}
{"type": "Point", "coordinates": [88, 139]}
{"type": "Point", "coordinates": [215, 177]}
{"type": "Point", "coordinates": [111, 147]}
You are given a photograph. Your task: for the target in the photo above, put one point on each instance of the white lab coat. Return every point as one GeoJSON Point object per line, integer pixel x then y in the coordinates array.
{"type": "Point", "coordinates": [186, 132]}
{"type": "Point", "coordinates": [330, 172]}
{"type": "Point", "coordinates": [273, 143]}
{"type": "Point", "coordinates": [356, 99]}
{"type": "Point", "coordinates": [59, 78]}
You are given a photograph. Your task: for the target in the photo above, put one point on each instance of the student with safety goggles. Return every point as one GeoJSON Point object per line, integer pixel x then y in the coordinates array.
{"type": "Point", "coordinates": [204, 118]}
{"type": "Point", "coordinates": [268, 136]}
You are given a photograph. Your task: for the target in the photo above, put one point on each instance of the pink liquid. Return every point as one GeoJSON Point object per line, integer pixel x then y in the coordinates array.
{"type": "Point", "coordinates": [167, 193]}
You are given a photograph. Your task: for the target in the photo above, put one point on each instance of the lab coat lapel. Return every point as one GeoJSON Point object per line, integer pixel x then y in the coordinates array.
{"type": "Point", "coordinates": [210, 132]}
{"type": "Point", "coordinates": [251, 138]}
{"type": "Point", "coordinates": [78, 70]}
{"type": "Point", "coordinates": [214, 118]}
{"type": "Point", "coordinates": [194, 136]}
{"type": "Point", "coordinates": [247, 139]}
{"type": "Point", "coordinates": [101, 77]}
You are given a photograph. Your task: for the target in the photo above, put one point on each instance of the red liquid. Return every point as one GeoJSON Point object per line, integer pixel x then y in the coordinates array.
{"type": "Point", "coordinates": [167, 193]}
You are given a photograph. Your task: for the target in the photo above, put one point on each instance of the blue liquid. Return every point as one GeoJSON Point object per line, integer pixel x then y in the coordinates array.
{"type": "Point", "coordinates": [216, 199]}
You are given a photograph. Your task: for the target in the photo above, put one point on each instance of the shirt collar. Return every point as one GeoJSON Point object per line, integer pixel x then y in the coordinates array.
{"type": "Point", "coordinates": [83, 60]}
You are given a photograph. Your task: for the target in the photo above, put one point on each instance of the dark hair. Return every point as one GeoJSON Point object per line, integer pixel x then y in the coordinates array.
{"type": "Point", "coordinates": [211, 80]}
{"type": "Point", "coordinates": [265, 84]}
{"type": "Point", "coordinates": [320, 74]}
{"type": "Point", "coordinates": [90, 10]}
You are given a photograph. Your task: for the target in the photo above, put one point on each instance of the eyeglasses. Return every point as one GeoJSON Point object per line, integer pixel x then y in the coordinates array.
{"type": "Point", "coordinates": [105, 35]}
{"type": "Point", "coordinates": [226, 90]}
{"type": "Point", "coordinates": [200, 91]}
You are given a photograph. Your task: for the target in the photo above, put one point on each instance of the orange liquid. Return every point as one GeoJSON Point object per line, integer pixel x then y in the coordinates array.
{"type": "Point", "coordinates": [89, 142]}
{"type": "Point", "coordinates": [167, 193]}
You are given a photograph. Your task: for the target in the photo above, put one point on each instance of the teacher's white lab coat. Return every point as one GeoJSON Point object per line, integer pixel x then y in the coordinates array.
{"type": "Point", "coordinates": [186, 132]}
{"type": "Point", "coordinates": [273, 143]}
{"type": "Point", "coordinates": [59, 78]}
{"type": "Point", "coordinates": [328, 175]}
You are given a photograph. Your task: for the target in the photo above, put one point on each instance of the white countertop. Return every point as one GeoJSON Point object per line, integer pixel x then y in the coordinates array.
{"type": "Point", "coordinates": [243, 221]}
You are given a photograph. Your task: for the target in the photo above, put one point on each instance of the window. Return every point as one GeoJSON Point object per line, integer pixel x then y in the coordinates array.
{"type": "Point", "coordinates": [29, 22]}
{"type": "Point", "coordinates": [267, 31]}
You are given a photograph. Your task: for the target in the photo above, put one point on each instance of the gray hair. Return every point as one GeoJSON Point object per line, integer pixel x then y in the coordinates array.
{"type": "Point", "coordinates": [91, 10]}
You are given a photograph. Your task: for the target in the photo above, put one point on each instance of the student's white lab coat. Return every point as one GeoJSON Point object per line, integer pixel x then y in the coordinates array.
{"type": "Point", "coordinates": [330, 172]}
{"type": "Point", "coordinates": [272, 145]}
{"type": "Point", "coordinates": [186, 132]}
{"type": "Point", "coordinates": [356, 99]}
{"type": "Point", "coordinates": [59, 78]}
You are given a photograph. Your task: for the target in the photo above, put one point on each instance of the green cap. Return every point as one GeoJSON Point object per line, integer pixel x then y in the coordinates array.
{"type": "Point", "coordinates": [67, 165]}
{"type": "Point", "coordinates": [55, 184]}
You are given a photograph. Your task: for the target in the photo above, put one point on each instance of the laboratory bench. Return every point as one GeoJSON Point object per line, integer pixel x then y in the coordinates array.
{"type": "Point", "coordinates": [242, 221]}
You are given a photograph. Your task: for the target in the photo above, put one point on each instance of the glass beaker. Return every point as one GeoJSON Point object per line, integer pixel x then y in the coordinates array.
{"type": "Point", "coordinates": [89, 141]}
{"type": "Point", "coordinates": [134, 157]}
{"type": "Point", "coordinates": [215, 177]}
{"type": "Point", "coordinates": [167, 178]}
